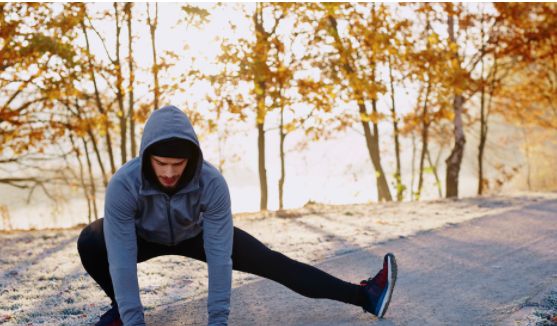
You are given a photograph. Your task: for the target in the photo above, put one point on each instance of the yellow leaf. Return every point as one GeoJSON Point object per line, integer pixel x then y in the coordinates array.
{"type": "Point", "coordinates": [364, 117]}
{"type": "Point", "coordinates": [375, 117]}
{"type": "Point", "coordinates": [258, 90]}
{"type": "Point", "coordinates": [433, 38]}
{"type": "Point", "coordinates": [290, 127]}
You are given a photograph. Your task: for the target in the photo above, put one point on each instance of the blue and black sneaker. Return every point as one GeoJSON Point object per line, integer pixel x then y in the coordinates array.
{"type": "Point", "coordinates": [110, 318]}
{"type": "Point", "coordinates": [379, 289]}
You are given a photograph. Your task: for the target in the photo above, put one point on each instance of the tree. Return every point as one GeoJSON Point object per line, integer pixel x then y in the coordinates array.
{"type": "Point", "coordinates": [428, 69]}
{"type": "Point", "coordinates": [153, 23]}
{"type": "Point", "coordinates": [289, 92]}
{"type": "Point", "coordinates": [247, 60]}
{"type": "Point", "coordinates": [462, 54]}
{"type": "Point", "coordinates": [461, 24]}
{"type": "Point", "coordinates": [352, 62]}
{"type": "Point", "coordinates": [131, 79]}
{"type": "Point", "coordinates": [282, 77]}
{"type": "Point", "coordinates": [120, 92]}
{"type": "Point", "coordinates": [398, 32]}
{"type": "Point", "coordinates": [490, 81]}
{"type": "Point", "coordinates": [530, 40]}
{"type": "Point", "coordinates": [30, 58]}
{"type": "Point", "coordinates": [455, 158]}
{"type": "Point", "coordinates": [104, 118]}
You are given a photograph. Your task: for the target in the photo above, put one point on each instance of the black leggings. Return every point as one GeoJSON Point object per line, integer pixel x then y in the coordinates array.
{"type": "Point", "coordinates": [248, 255]}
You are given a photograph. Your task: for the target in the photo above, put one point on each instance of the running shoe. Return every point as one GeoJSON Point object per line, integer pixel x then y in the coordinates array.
{"type": "Point", "coordinates": [110, 318]}
{"type": "Point", "coordinates": [379, 289]}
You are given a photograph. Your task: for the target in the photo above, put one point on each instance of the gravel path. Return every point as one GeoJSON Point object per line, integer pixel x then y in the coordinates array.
{"type": "Point", "coordinates": [474, 273]}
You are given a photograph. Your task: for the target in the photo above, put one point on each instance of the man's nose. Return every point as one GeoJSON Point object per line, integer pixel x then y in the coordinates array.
{"type": "Point", "coordinates": [169, 172]}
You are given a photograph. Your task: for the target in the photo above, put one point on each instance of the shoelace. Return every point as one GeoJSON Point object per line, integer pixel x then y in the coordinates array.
{"type": "Point", "coordinates": [371, 279]}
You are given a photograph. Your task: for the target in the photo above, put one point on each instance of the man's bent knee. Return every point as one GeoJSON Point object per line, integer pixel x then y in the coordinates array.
{"type": "Point", "coordinates": [91, 238]}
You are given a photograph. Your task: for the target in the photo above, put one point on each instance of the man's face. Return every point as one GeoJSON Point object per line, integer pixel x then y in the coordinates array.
{"type": "Point", "coordinates": [168, 170]}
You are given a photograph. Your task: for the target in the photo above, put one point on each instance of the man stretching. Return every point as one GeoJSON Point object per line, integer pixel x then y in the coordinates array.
{"type": "Point", "coordinates": [170, 201]}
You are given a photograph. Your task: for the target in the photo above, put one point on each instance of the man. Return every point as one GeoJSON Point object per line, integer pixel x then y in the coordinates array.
{"type": "Point", "coordinates": [170, 201]}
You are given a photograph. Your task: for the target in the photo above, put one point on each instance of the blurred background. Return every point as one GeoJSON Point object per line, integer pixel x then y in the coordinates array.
{"type": "Point", "coordinates": [293, 103]}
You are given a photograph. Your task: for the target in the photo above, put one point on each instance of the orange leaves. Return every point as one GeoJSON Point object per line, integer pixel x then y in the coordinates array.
{"type": "Point", "coordinates": [37, 60]}
{"type": "Point", "coordinates": [433, 39]}
{"type": "Point", "coordinates": [453, 47]}
{"type": "Point", "coordinates": [320, 95]}
{"type": "Point", "coordinates": [289, 127]}
{"type": "Point", "coordinates": [315, 55]}
{"type": "Point", "coordinates": [374, 117]}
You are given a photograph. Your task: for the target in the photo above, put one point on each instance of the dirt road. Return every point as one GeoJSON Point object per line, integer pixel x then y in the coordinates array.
{"type": "Point", "coordinates": [473, 273]}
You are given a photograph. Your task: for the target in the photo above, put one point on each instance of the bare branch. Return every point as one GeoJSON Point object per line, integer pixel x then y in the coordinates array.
{"type": "Point", "coordinates": [103, 41]}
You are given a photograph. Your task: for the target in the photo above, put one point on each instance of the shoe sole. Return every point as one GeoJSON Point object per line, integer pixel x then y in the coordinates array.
{"type": "Point", "coordinates": [391, 261]}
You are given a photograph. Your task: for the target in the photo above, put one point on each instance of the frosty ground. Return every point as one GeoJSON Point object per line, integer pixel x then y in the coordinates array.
{"type": "Point", "coordinates": [42, 280]}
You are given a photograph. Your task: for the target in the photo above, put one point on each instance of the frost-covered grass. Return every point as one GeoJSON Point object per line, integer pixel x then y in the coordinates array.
{"type": "Point", "coordinates": [42, 280]}
{"type": "Point", "coordinates": [546, 313]}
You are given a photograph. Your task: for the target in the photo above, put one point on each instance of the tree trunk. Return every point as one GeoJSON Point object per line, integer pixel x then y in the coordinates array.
{"type": "Point", "coordinates": [483, 138]}
{"type": "Point", "coordinates": [91, 135]}
{"type": "Point", "coordinates": [153, 28]}
{"type": "Point", "coordinates": [282, 165]}
{"type": "Point", "coordinates": [413, 167]}
{"type": "Point", "coordinates": [102, 111]}
{"type": "Point", "coordinates": [483, 122]}
{"type": "Point", "coordinates": [259, 72]}
{"type": "Point", "coordinates": [98, 155]}
{"type": "Point", "coordinates": [262, 168]}
{"type": "Point", "coordinates": [435, 174]}
{"type": "Point", "coordinates": [454, 160]}
{"type": "Point", "coordinates": [82, 178]}
{"type": "Point", "coordinates": [398, 179]}
{"type": "Point", "coordinates": [382, 187]}
{"type": "Point", "coordinates": [380, 176]}
{"type": "Point", "coordinates": [425, 132]}
{"type": "Point", "coordinates": [485, 110]}
{"type": "Point", "coordinates": [131, 116]}
{"type": "Point", "coordinates": [93, 188]}
{"type": "Point", "coordinates": [372, 141]}
{"type": "Point", "coordinates": [120, 90]}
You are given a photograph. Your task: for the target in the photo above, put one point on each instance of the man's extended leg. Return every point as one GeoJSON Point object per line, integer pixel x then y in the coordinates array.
{"type": "Point", "coordinates": [252, 256]}
{"type": "Point", "coordinates": [373, 295]}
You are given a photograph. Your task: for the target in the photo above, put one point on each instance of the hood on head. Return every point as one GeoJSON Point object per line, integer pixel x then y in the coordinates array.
{"type": "Point", "coordinates": [166, 123]}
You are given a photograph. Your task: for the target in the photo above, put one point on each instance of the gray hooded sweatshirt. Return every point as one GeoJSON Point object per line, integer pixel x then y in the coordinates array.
{"type": "Point", "coordinates": [134, 207]}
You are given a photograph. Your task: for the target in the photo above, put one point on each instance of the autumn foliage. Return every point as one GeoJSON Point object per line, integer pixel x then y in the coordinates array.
{"type": "Point", "coordinates": [70, 91]}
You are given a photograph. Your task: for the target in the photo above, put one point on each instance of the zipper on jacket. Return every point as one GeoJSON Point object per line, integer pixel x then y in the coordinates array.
{"type": "Point", "coordinates": [169, 220]}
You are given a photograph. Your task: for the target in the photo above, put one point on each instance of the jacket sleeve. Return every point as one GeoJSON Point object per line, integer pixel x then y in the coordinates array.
{"type": "Point", "coordinates": [121, 245]}
{"type": "Point", "coordinates": [217, 238]}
